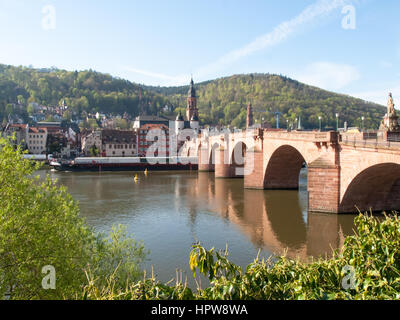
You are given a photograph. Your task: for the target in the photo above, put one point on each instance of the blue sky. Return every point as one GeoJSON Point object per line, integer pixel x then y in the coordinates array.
{"type": "Point", "coordinates": [164, 42]}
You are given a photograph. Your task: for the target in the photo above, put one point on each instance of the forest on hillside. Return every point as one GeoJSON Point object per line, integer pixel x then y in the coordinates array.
{"type": "Point", "coordinates": [222, 101]}
{"type": "Point", "coordinates": [225, 100]}
{"type": "Point", "coordinates": [88, 91]}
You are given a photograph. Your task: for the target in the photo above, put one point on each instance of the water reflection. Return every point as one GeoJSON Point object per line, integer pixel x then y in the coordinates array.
{"type": "Point", "coordinates": [170, 211]}
{"type": "Point", "coordinates": [275, 220]}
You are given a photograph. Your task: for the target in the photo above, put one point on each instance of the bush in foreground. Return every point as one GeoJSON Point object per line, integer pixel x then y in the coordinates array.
{"type": "Point", "coordinates": [372, 256]}
{"type": "Point", "coordinates": [40, 226]}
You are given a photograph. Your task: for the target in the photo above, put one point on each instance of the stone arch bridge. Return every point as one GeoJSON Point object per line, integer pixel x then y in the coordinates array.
{"type": "Point", "coordinates": [343, 175]}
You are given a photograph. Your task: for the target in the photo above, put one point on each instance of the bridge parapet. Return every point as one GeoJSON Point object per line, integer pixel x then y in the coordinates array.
{"type": "Point", "coordinates": [326, 137]}
{"type": "Point", "coordinates": [330, 137]}
{"type": "Point", "coordinates": [356, 141]}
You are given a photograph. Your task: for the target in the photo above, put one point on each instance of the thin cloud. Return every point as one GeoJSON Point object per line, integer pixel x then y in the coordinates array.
{"type": "Point", "coordinates": [381, 96]}
{"type": "Point", "coordinates": [150, 74]}
{"type": "Point", "coordinates": [328, 75]}
{"type": "Point", "coordinates": [385, 64]}
{"type": "Point", "coordinates": [167, 79]}
{"type": "Point", "coordinates": [280, 33]}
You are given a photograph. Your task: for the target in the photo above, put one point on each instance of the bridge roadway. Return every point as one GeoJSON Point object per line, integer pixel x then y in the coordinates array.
{"type": "Point", "coordinates": [344, 174]}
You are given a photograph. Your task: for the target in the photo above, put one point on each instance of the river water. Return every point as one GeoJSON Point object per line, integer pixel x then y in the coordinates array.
{"type": "Point", "coordinates": [169, 211]}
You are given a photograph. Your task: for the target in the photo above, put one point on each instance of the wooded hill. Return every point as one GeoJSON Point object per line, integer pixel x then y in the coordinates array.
{"type": "Point", "coordinates": [221, 101]}
{"type": "Point", "coordinates": [225, 100]}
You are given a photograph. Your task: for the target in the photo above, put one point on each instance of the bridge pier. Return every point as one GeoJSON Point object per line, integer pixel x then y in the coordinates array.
{"type": "Point", "coordinates": [223, 169]}
{"type": "Point", "coordinates": [204, 161]}
{"type": "Point", "coordinates": [324, 188]}
{"type": "Point", "coordinates": [254, 179]}
{"type": "Point", "coordinates": [206, 167]}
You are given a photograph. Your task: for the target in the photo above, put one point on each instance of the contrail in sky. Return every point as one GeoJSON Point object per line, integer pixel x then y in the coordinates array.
{"type": "Point", "coordinates": [280, 33]}
{"type": "Point", "coordinates": [150, 74]}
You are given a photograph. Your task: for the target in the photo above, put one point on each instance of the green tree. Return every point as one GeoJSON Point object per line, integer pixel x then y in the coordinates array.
{"type": "Point", "coordinates": [9, 109]}
{"type": "Point", "coordinates": [30, 109]}
{"type": "Point", "coordinates": [67, 115]}
{"type": "Point", "coordinates": [50, 118]}
{"type": "Point", "coordinates": [40, 226]}
{"type": "Point", "coordinates": [122, 124]}
{"type": "Point", "coordinates": [21, 99]}
{"type": "Point", "coordinates": [94, 151]}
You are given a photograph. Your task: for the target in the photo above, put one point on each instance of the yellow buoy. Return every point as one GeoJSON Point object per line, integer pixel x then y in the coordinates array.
{"type": "Point", "coordinates": [145, 172]}
{"type": "Point", "coordinates": [136, 178]}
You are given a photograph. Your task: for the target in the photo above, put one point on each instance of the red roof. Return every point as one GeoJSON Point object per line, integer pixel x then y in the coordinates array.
{"type": "Point", "coordinates": [52, 129]}
{"type": "Point", "coordinates": [15, 125]}
{"type": "Point", "coordinates": [151, 126]}
{"type": "Point", "coordinates": [37, 130]}
{"type": "Point", "coordinates": [118, 136]}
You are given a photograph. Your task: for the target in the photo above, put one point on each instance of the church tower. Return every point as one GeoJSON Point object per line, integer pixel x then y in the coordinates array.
{"type": "Point", "coordinates": [191, 110]}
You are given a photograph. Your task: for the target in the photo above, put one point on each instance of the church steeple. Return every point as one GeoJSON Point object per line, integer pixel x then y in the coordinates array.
{"type": "Point", "coordinates": [191, 109]}
{"type": "Point", "coordinates": [192, 90]}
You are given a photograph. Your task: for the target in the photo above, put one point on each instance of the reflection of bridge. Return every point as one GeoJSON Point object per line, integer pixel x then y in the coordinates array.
{"type": "Point", "coordinates": [274, 220]}
{"type": "Point", "coordinates": [342, 174]}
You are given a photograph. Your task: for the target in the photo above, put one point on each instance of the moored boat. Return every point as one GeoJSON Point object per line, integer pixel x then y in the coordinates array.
{"type": "Point", "coordinates": [126, 164]}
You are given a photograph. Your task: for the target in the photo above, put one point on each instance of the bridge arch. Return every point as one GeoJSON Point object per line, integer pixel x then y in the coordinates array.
{"type": "Point", "coordinates": [376, 188]}
{"type": "Point", "coordinates": [283, 168]}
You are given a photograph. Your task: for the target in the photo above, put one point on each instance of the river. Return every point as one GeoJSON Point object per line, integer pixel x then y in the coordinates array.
{"type": "Point", "coordinates": [169, 211]}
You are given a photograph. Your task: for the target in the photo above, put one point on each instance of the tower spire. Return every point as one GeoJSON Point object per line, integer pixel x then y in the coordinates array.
{"type": "Point", "coordinates": [191, 109]}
